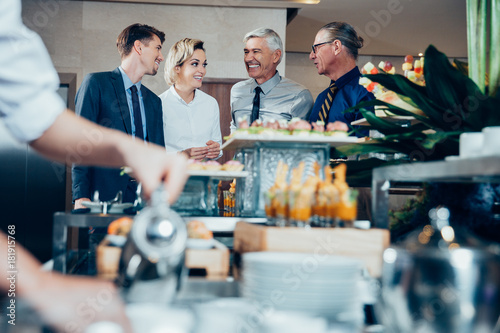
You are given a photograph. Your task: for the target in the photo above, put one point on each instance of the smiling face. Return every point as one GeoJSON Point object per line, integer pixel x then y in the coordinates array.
{"type": "Point", "coordinates": [260, 61]}
{"type": "Point", "coordinates": [192, 71]}
{"type": "Point", "coordinates": [151, 55]}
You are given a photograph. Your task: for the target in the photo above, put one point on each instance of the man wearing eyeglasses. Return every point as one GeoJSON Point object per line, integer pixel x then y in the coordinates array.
{"type": "Point", "coordinates": [334, 53]}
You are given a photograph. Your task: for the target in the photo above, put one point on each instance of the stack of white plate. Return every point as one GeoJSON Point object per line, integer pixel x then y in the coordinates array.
{"type": "Point", "coordinates": [318, 284]}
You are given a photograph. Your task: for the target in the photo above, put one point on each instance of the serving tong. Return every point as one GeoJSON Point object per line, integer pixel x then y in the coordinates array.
{"type": "Point", "coordinates": [105, 206]}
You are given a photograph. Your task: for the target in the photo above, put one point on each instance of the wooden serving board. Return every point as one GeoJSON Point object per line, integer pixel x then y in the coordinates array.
{"type": "Point", "coordinates": [366, 245]}
{"type": "Point", "coordinates": [215, 261]}
{"type": "Point", "coordinates": [107, 260]}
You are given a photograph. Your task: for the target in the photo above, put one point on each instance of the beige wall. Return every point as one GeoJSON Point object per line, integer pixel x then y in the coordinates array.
{"type": "Point", "coordinates": [302, 70]}
{"type": "Point", "coordinates": [299, 68]}
{"type": "Point", "coordinates": [81, 35]}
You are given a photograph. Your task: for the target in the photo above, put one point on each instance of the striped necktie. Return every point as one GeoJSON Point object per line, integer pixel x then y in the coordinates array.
{"type": "Point", "coordinates": [327, 104]}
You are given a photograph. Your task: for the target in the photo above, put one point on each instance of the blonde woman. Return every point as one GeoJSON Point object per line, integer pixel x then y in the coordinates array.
{"type": "Point", "coordinates": [190, 116]}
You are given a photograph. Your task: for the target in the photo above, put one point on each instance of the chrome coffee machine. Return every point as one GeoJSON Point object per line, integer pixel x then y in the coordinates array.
{"type": "Point", "coordinates": [152, 259]}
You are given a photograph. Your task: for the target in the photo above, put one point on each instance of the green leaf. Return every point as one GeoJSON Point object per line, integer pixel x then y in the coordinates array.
{"type": "Point", "coordinates": [394, 109]}
{"type": "Point", "coordinates": [380, 124]}
{"type": "Point", "coordinates": [484, 112]}
{"type": "Point", "coordinates": [452, 90]}
{"type": "Point", "coordinates": [461, 66]}
{"type": "Point", "coordinates": [418, 94]}
{"type": "Point", "coordinates": [408, 100]}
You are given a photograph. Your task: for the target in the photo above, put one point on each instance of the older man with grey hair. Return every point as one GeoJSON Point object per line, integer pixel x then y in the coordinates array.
{"type": "Point", "coordinates": [267, 95]}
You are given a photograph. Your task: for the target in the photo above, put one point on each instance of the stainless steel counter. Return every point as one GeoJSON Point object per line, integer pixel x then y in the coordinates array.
{"type": "Point", "coordinates": [477, 170]}
{"type": "Point", "coordinates": [60, 232]}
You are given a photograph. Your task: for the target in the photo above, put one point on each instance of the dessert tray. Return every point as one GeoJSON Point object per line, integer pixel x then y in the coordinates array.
{"type": "Point", "coordinates": [249, 140]}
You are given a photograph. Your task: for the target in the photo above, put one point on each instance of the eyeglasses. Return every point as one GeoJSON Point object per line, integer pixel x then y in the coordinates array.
{"type": "Point", "coordinates": [319, 44]}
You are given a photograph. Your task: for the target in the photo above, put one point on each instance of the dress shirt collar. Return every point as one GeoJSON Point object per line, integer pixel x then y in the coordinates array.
{"type": "Point", "coordinates": [268, 85]}
{"type": "Point", "coordinates": [344, 79]}
{"type": "Point", "coordinates": [127, 82]}
{"type": "Point", "coordinates": [179, 98]}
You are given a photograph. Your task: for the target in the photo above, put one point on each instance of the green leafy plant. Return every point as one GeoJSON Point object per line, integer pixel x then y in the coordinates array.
{"type": "Point", "coordinates": [451, 103]}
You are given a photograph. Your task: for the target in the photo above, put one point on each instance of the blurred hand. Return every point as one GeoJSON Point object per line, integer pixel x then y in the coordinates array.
{"type": "Point", "coordinates": [213, 149]}
{"type": "Point", "coordinates": [78, 203]}
{"type": "Point", "coordinates": [151, 166]}
{"type": "Point", "coordinates": [65, 303]}
{"type": "Point", "coordinates": [196, 153]}
{"type": "Point", "coordinates": [71, 303]}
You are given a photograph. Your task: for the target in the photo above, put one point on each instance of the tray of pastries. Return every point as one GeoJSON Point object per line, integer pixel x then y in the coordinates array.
{"type": "Point", "coordinates": [295, 131]}
{"type": "Point", "coordinates": [228, 170]}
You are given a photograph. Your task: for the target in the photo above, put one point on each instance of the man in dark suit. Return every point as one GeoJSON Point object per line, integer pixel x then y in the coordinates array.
{"type": "Point", "coordinates": [118, 100]}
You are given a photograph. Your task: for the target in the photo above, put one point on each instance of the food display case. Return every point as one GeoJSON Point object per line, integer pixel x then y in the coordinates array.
{"type": "Point", "coordinates": [200, 196]}
{"type": "Point", "coordinates": [260, 155]}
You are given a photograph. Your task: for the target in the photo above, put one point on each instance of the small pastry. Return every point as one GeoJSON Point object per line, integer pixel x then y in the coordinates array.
{"type": "Point", "coordinates": [233, 166]}
{"type": "Point", "coordinates": [120, 226]}
{"type": "Point", "coordinates": [198, 230]}
{"type": "Point", "coordinates": [299, 127]}
{"type": "Point", "coordinates": [243, 123]}
{"type": "Point", "coordinates": [212, 166]}
{"type": "Point", "coordinates": [337, 128]}
{"type": "Point", "coordinates": [195, 165]}
{"type": "Point", "coordinates": [319, 126]}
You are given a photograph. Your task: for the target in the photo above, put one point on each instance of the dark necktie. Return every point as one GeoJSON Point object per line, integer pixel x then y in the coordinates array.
{"type": "Point", "coordinates": [137, 113]}
{"type": "Point", "coordinates": [256, 105]}
{"type": "Point", "coordinates": [327, 104]}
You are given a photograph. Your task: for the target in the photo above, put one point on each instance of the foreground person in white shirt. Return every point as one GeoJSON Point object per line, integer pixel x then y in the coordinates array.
{"type": "Point", "coordinates": [190, 116]}
{"type": "Point", "coordinates": [34, 113]}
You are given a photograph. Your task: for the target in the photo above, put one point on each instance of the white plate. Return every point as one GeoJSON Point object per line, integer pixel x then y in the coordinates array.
{"type": "Point", "coordinates": [318, 275]}
{"type": "Point", "coordinates": [117, 240]}
{"type": "Point", "coordinates": [113, 209]}
{"type": "Point", "coordinates": [219, 174]}
{"type": "Point", "coordinates": [154, 318]}
{"type": "Point", "coordinates": [275, 259]}
{"type": "Point", "coordinates": [200, 244]}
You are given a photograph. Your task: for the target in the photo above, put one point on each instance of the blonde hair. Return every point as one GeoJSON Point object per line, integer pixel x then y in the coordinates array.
{"type": "Point", "coordinates": [178, 54]}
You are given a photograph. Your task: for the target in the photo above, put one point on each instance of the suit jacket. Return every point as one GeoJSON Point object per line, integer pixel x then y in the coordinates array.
{"type": "Point", "coordinates": [102, 99]}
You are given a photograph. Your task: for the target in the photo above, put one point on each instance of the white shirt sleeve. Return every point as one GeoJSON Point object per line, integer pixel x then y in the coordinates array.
{"type": "Point", "coordinates": [29, 103]}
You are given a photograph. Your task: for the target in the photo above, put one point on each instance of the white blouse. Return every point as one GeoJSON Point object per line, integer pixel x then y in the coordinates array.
{"type": "Point", "coordinates": [189, 125]}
